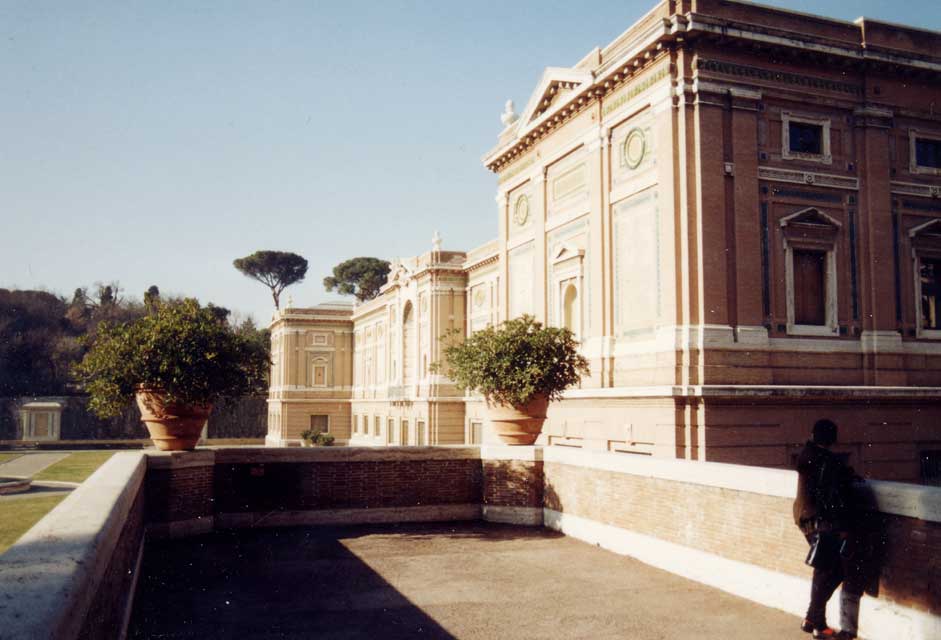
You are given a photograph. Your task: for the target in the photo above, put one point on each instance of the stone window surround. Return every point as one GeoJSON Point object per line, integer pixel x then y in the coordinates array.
{"type": "Point", "coordinates": [927, 248]}
{"type": "Point", "coordinates": [822, 243]}
{"type": "Point", "coordinates": [913, 136]}
{"type": "Point", "coordinates": [311, 426]}
{"type": "Point", "coordinates": [826, 157]}
{"type": "Point", "coordinates": [319, 363]}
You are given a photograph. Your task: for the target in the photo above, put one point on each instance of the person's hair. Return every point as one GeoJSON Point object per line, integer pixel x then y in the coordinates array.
{"type": "Point", "coordinates": [824, 432]}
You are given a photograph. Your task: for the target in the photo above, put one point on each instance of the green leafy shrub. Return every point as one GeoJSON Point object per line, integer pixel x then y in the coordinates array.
{"type": "Point", "coordinates": [324, 439]}
{"type": "Point", "coordinates": [512, 362]}
{"type": "Point", "coordinates": [183, 350]}
{"type": "Point", "coordinates": [307, 435]}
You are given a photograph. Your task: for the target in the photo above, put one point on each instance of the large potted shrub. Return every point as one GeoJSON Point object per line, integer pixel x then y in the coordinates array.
{"type": "Point", "coordinates": [518, 366]}
{"type": "Point", "coordinates": [176, 362]}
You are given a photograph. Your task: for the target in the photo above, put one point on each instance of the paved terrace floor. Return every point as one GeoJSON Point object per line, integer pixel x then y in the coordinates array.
{"type": "Point", "coordinates": [467, 580]}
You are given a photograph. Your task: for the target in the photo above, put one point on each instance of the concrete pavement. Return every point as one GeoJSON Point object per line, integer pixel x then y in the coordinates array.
{"type": "Point", "coordinates": [29, 464]}
{"type": "Point", "coordinates": [461, 580]}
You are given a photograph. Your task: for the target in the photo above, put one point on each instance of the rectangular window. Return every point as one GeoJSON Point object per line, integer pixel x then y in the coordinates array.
{"type": "Point", "coordinates": [931, 467]}
{"type": "Point", "coordinates": [805, 137]}
{"type": "Point", "coordinates": [476, 432]}
{"type": "Point", "coordinates": [930, 274]}
{"type": "Point", "coordinates": [403, 433]}
{"type": "Point", "coordinates": [810, 287]}
{"type": "Point", "coordinates": [376, 426]}
{"type": "Point", "coordinates": [420, 433]}
{"type": "Point", "coordinates": [928, 153]}
{"type": "Point", "coordinates": [320, 375]}
{"type": "Point", "coordinates": [390, 433]}
{"type": "Point", "coordinates": [319, 424]}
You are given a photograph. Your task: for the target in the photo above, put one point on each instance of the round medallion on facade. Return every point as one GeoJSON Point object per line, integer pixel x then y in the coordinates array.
{"type": "Point", "coordinates": [634, 148]}
{"type": "Point", "coordinates": [479, 297]}
{"type": "Point", "coordinates": [521, 211]}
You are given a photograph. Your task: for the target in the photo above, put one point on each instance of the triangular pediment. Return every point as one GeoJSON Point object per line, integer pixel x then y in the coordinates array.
{"type": "Point", "coordinates": [928, 229]}
{"type": "Point", "coordinates": [565, 252]}
{"type": "Point", "coordinates": [556, 83]}
{"type": "Point", "coordinates": [810, 216]}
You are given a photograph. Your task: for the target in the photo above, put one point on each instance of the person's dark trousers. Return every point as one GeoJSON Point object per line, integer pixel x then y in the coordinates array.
{"type": "Point", "coordinates": [825, 581]}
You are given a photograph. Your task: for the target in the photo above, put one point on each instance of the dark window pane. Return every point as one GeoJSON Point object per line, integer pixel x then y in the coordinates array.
{"type": "Point", "coordinates": [810, 287]}
{"type": "Point", "coordinates": [930, 293]}
{"type": "Point", "coordinates": [928, 153]}
{"type": "Point", "coordinates": [931, 467]}
{"type": "Point", "coordinates": [806, 138]}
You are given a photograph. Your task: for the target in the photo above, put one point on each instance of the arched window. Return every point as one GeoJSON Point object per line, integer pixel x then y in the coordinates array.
{"type": "Point", "coordinates": [570, 311]}
{"type": "Point", "coordinates": [408, 347]}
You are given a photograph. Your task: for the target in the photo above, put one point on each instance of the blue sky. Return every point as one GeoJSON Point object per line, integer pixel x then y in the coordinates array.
{"type": "Point", "coordinates": [154, 142]}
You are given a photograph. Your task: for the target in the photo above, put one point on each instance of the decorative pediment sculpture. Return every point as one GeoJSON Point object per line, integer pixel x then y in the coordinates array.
{"type": "Point", "coordinates": [555, 84]}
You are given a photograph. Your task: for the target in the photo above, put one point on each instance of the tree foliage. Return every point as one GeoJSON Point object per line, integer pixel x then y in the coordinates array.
{"type": "Point", "coordinates": [513, 362]}
{"type": "Point", "coordinates": [361, 277]}
{"type": "Point", "coordinates": [183, 350]}
{"type": "Point", "coordinates": [275, 269]}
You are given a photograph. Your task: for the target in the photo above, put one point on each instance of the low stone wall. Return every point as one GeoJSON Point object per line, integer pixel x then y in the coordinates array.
{"type": "Point", "coordinates": [248, 487]}
{"type": "Point", "coordinates": [73, 575]}
{"type": "Point", "coordinates": [731, 527]}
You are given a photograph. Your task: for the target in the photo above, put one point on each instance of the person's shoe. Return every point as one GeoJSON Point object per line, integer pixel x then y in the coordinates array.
{"type": "Point", "coordinates": [846, 635]}
{"type": "Point", "coordinates": [807, 626]}
{"type": "Point", "coordinates": [826, 632]}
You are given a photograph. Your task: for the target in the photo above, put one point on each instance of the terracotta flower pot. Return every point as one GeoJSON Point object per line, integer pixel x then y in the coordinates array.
{"type": "Point", "coordinates": [518, 424]}
{"type": "Point", "coordinates": [172, 427]}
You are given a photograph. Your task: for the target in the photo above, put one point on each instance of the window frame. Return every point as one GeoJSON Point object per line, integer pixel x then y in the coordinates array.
{"type": "Point", "coordinates": [826, 154]}
{"type": "Point", "coordinates": [824, 239]}
{"type": "Point", "coordinates": [913, 136]}
{"type": "Point", "coordinates": [924, 245]}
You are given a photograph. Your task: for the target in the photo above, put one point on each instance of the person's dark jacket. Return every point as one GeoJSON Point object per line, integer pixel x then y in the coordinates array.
{"type": "Point", "coordinates": [823, 489]}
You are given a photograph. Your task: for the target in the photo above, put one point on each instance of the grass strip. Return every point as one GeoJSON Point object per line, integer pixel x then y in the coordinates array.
{"type": "Point", "coordinates": [6, 457]}
{"type": "Point", "coordinates": [76, 467]}
{"type": "Point", "coordinates": [18, 515]}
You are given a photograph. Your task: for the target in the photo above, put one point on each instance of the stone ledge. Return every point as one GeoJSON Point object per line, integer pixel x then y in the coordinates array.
{"type": "Point", "coordinates": [49, 577]}
{"type": "Point", "coordinates": [180, 459]}
{"type": "Point", "coordinates": [261, 455]}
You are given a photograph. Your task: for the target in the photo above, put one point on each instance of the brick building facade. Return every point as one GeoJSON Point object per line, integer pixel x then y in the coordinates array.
{"type": "Point", "coordinates": [736, 209]}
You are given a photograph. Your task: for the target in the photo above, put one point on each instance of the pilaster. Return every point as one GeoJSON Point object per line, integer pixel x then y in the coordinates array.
{"type": "Point", "coordinates": [876, 244]}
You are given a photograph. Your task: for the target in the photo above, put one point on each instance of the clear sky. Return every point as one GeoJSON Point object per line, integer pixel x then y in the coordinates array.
{"type": "Point", "coordinates": [154, 142]}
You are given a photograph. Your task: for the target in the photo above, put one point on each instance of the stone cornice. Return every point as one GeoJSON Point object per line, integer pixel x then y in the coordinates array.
{"type": "Point", "coordinates": [661, 35]}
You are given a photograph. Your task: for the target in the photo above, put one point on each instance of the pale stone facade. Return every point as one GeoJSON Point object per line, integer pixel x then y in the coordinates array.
{"type": "Point", "coordinates": [736, 210]}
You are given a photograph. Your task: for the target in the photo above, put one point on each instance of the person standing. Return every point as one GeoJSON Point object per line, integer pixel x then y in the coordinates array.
{"type": "Point", "coordinates": [824, 513]}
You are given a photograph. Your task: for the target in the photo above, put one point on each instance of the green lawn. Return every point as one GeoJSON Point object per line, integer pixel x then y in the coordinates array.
{"type": "Point", "coordinates": [6, 457]}
{"type": "Point", "coordinates": [75, 468]}
{"type": "Point", "coordinates": [17, 516]}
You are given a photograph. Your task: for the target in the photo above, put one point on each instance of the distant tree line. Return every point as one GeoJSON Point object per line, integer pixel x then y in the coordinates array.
{"type": "Point", "coordinates": [42, 334]}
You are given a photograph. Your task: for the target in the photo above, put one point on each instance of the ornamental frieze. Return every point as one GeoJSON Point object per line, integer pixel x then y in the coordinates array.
{"type": "Point", "coordinates": [807, 177]}
{"type": "Point", "coordinates": [779, 77]}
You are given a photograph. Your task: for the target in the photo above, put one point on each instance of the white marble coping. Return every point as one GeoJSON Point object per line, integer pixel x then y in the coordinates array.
{"type": "Point", "coordinates": [755, 391]}
{"type": "Point", "coordinates": [896, 498]}
{"type": "Point", "coordinates": [507, 452]}
{"type": "Point", "coordinates": [771, 482]}
{"type": "Point", "coordinates": [49, 577]}
{"type": "Point", "coordinates": [261, 455]}
{"type": "Point", "coordinates": [910, 500]}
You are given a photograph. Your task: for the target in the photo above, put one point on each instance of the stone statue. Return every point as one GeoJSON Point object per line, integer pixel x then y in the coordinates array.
{"type": "Point", "coordinates": [508, 116]}
{"type": "Point", "coordinates": [436, 242]}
